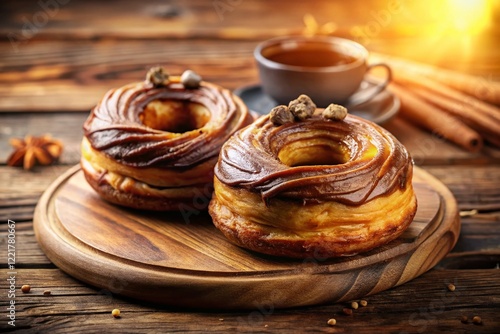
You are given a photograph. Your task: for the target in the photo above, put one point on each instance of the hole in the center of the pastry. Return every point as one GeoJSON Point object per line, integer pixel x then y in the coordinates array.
{"type": "Point", "coordinates": [174, 115]}
{"type": "Point", "coordinates": [321, 152]}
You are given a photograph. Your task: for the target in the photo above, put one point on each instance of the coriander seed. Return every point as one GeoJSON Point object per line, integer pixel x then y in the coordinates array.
{"type": "Point", "coordinates": [363, 302]}
{"type": "Point", "coordinates": [451, 287]}
{"type": "Point", "coordinates": [332, 322]}
{"type": "Point", "coordinates": [347, 311]}
{"type": "Point", "coordinates": [354, 305]}
{"type": "Point", "coordinates": [26, 288]}
{"type": "Point", "coordinates": [115, 313]}
{"type": "Point", "coordinates": [477, 320]}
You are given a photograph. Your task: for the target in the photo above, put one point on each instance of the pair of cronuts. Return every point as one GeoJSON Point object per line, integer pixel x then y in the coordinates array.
{"type": "Point", "coordinates": [314, 187]}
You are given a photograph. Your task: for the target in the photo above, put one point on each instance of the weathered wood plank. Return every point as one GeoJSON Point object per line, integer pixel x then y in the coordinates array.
{"type": "Point", "coordinates": [473, 187]}
{"type": "Point", "coordinates": [64, 126]}
{"type": "Point", "coordinates": [155, 19]}
{"type": "Point", "coordinates": [63, 19]}
{"type": "Point", "coordinates": [404, 24]}
{"type": "Point", "coordinates": [73, 76]}
{"type": "Point", "coordinates": [16, 183]}
{"type": "Point", "coordinates": [20, 190]}
{"type": "Point", "coordinates": [64, 58]}
{"type": "Point", "coordinates": [28, 252]}
{"type": "Point", "coordinates": [421, 305]}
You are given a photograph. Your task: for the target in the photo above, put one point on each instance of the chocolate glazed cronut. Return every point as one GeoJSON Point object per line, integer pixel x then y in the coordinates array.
{"type": "Point", "coordinates": [313, 188]}
{"type": "Point", "coordinates": [155, 148]}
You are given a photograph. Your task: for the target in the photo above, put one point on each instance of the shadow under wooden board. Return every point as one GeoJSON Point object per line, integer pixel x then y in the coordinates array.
{"type": "Point", "coordinates": [167, 259]}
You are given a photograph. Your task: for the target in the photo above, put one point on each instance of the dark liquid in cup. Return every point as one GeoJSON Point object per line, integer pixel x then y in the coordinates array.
{"type": "Point", "coordinates": [310, 57]}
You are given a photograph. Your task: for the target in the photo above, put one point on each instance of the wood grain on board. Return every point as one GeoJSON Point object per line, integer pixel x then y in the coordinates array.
{"type": "Point", "coordinates": [180, 258]}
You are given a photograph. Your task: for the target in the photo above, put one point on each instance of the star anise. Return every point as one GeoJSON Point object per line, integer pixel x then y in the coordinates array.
{"type": "Point", "coordinates": [31, 150]}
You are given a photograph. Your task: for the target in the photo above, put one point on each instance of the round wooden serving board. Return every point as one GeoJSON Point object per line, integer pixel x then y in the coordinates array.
{"type": "Point", "coordinates": [185, 261]}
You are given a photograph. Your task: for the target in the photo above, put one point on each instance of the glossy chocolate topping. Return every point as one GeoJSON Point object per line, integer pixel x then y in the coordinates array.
{"type": "Point", "coordinates": [114, 127]}
{"type": "Point", "coordinates": [375, 164]}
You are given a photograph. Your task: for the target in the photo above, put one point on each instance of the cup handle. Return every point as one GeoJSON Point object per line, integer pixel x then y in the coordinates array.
{"type": "Point", "coordinates": [366, 95]}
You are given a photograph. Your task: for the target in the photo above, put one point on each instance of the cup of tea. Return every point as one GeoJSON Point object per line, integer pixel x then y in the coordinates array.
{"type": "Point", "coordinates": [327, 69]}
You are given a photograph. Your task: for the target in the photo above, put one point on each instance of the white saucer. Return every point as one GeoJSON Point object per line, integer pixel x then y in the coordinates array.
{"type": "Point", "coordinates": [380, 109]}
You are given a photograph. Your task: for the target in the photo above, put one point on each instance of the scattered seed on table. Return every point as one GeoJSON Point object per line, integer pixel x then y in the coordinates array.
{"type": "Point", "coordinates": [464, 319]}
{"type": "Point", "coordinates": [26, 288]}
{"type": "Point", "coordinates": [354, 305]}
{"type": "Point", "coordinates": [477, 320]}
{"type": "Point", "coordinates": [363, 302]}
{"type": "Point", "coordinates": [347, 311]}
{"type": "Point", "coordinates": [47, 292]}
{"type": "Point", "coordinates": [451, 287]}
{"type": "Point", "coordinates": [332, 322]}
{"type": "Point", "coordinates": [115, 313]}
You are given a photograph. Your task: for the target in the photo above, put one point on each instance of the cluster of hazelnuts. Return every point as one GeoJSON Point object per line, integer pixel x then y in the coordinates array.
{"type": "Point", "coordinates": [302, 108]}
{"type": "Point", "coordinates": [157, 76]}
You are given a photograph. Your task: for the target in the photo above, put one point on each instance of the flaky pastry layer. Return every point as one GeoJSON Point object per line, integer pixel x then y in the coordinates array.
{"type": "Point", "coordinates": [156, 177]}
{"type": "Point", "coordinates": [127, 191]}
{"type": "Point", "coordinates": [322, 230]}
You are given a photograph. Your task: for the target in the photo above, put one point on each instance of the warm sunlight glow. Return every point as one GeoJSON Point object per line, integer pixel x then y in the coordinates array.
{"type": "Point", "coordinates": [468, 16]}
{"type": "Point", "coordinates": [312, 28]}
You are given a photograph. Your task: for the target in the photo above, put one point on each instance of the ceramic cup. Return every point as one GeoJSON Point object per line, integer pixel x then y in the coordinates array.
{"type": "Point", "coordinates": [327, 69]}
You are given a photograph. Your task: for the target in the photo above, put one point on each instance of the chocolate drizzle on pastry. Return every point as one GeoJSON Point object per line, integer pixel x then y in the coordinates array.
{"type": "Point", "coordinates": [372, 162]}
{"type": "Point", "coordinates": [115, 128]}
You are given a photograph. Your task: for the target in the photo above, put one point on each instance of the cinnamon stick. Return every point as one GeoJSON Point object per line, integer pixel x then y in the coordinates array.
{"type": "Point", "coordinates": [488, 110]}
{"type": "Point", "coordinates": [489, 129]}
{"type": "Point", "coordinates": [428, 116]}
{"type": "Point", "coordinates": [479, 87]}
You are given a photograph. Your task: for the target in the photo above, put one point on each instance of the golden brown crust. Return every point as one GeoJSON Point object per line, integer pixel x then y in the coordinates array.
{"type": "Point", "coordinates": [131, 193]}
{"type": "Point", "coordinates": [286, 228]}
{"type": "Point", "coordinates": [131, 200]}
{"type": "Point", "coordinates": [255, 237]}
{"type": "Point", "coordinates": [275, 193]}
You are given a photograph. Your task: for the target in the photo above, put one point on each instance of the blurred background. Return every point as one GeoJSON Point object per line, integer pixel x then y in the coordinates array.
{"type": "Point", "coordinates": [77, 50]}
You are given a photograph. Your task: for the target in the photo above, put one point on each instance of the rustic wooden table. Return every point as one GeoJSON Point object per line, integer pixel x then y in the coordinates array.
{"type": "Point", "coordinates": [57, 58]}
